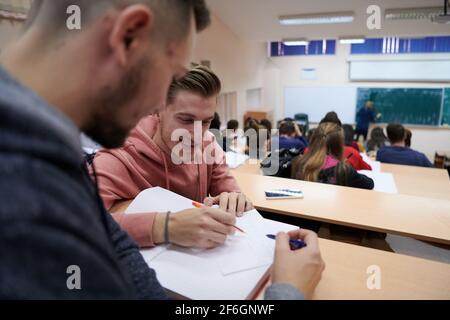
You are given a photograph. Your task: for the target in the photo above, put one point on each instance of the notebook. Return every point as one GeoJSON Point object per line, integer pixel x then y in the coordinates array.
{"type": "Point", "coordinates": [234, 271]}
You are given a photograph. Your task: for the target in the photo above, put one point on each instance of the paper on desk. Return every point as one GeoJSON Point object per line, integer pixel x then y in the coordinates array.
{"type": "Point", "coordinates": [240, 252]}
{"type": "Point", "coordinates": [235, 267]}
{"type": "Point", "coordinates": [235, 159]}
{"type": "Point", "coordinates": [376, 165]}
{"type": "Point", "coordinates": [159, 200]}
{"type": "Point", "coordinates": [384, 182]}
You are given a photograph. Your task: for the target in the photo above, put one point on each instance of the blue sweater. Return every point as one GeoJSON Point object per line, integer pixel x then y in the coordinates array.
{"type": "Point", "coordinates": [299, 143]}
{"type": "Point", "coordinates": [403, 155]}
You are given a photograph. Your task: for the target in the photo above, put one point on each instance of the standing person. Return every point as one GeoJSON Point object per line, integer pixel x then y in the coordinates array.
{"type": "Point", "coordinates": [364, 118]}
{"type": "Point", "coordinates": [102, 80]}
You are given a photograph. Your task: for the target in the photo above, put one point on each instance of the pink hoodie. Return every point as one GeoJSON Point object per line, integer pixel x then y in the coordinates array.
{"type": "Point", "coordinates": [140, 164]}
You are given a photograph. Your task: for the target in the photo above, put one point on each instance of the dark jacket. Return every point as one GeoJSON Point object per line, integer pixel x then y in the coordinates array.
{"type": "Point", "coordinates": [364, 117]}
{"type": "Point", "coordinates": [353, 178]}
{"type": "Point", "coordinates": [51, 217]}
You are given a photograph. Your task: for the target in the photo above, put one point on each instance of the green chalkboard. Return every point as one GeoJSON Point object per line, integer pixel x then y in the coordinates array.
{"type": "Point", "coordinates": [446, 108]}
{"type": "Point", "coordinates": [404, 105]}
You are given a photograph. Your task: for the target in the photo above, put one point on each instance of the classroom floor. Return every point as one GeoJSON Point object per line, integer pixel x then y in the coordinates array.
{"type": "Point", "coordinates": [416, 248]}
{"type": "Point", "coordinates": [401, 245]}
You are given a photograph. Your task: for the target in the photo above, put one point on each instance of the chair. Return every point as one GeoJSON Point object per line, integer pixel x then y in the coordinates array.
{"type": "Point", "coordinates": [303, 120]}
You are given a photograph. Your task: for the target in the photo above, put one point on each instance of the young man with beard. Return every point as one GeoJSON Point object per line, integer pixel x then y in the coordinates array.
{"type": "Point", "coordinates": [102, 80]}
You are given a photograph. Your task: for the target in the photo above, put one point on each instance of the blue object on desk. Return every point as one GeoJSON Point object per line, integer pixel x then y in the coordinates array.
{"type": "Point", "coordinates": [295, 244]}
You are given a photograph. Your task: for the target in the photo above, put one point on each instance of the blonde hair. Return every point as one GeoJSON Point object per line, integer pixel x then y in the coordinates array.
{"type": "Point", "coordinates": [200, 80]}
{"type": "Point", "coordinates": [327, 139]}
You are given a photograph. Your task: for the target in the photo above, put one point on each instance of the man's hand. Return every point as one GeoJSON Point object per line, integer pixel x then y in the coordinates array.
{"type": "Point", "coordinates": [233, 202]}
{"type": "Point", "coordinates": [204, 228]}
{"type": "Point", "coordinates": [298, 132]}
{"type": "Point", "coordinates": [301, 268]}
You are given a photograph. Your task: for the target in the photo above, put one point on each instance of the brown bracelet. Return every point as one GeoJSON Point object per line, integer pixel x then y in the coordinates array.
{"type": "Point", "coordinates": [166, 229]}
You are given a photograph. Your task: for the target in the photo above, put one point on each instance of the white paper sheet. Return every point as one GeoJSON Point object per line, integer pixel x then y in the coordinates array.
{"type": "Point", "coordinates": [227, 272]}
{"type": "Point", "coordinates": [384, 182]}
{"type": "Point", "coordinates": [376, 165]}
{"type": "Point", "coordinates": [235, 159]}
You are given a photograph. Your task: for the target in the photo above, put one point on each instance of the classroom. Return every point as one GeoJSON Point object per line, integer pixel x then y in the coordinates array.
{"type": "Point", "coordinates": [238, 150]}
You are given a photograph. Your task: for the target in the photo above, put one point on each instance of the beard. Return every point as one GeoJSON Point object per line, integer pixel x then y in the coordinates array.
{"type": "Point", "coordinates": [107, 125]}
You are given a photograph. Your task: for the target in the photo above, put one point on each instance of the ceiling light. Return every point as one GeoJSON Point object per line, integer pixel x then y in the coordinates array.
{"type": "Point", "coordinates": [352, 40]}
{"type": "Point", "coordinates": [442, 18]}
{"type": "Point", "coordinates": [317, 18]}
{"type": "Point", "coordinates": [412, 13]}
{"type": "Point", "coordinates": [295, 42]}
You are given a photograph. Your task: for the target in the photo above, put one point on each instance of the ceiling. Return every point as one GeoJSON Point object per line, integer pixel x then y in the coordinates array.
{"type": "Point", "coordinates": [257, 20]}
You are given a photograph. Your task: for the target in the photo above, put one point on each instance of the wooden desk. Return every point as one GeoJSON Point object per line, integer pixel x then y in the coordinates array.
{"type": "Point", "coordinates": [422, 182]}
{"type": "Point", "coordinates": [402, 277]}
{"type": "Point", "coordinates": [415, 181]}
{"type": "Point", "coordinates": [434, 173]}
{"type": "Point", "coordinates": [409, 216]}
{"type": "Point", "coordinates": [250, 166]}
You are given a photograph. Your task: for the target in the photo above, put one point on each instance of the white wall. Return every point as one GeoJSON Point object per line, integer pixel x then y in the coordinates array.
{"type": "Point", "coordinates": [333, 71]}
{"type": "Point", "coordinates": [240, 65]}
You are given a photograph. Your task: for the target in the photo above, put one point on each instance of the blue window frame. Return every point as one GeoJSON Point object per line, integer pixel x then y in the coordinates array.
{"type": "Point", "coordinates": [315, 47]}
{"type": "Point", "coordinates": [395, 45]}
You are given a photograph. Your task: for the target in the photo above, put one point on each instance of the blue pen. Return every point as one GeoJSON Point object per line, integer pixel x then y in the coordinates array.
{"type": "Point", "coordinates": [295, 244]}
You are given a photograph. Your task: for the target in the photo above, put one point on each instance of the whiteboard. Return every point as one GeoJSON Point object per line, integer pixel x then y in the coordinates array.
{"type": "Point", "coordinates": [413, 70]}
{"type": "Point", "coordinates": [318, 101]}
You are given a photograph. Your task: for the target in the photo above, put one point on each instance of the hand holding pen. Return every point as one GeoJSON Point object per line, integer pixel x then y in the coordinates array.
{"type": "Point", "coordinates": [300, 268]}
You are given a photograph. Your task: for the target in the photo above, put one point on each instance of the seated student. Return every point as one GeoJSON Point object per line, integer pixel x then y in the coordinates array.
{"type": "Point", "coordinates": [325, 161]}
{"type": "Point", "coordinates": [214, 128]}
{"type": "Point", "coordinates": [349, 134]}
{"type": "Point", "coordinates": [290, 137]}
{"type": "Point", "coordinates": [377, 140]}
{"type": "Point", "coordinates": [256, 141]}
{"type": "Point", "coordinates": [230, 135]}
{"type": "Point", "coordinates": [408, 138]}
{"type": "Point", "coordinates": [397, 152]}
{"type": "Point", "coordinates": [147, 158]}
{"type": "Point", "coordinates": [267, 124]}
{"type": "Point", "coordinates": [351, 156]}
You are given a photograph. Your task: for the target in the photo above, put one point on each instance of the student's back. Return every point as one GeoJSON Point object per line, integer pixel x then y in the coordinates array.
{"type": "Point", "coordinates": [299, 143]}
{"type": "Point", "coordinates": [398, 153]}
{"type": "Point", "coordinates": [290, 137]}
{"type": "Point", "coordinates": [51, 217]}
{"type": "Point", "coordinates": [324, 161]}
{"type": "Point", "coordinates": [377, 140]}
{"type": "Point", "coordinates": [403, 156]}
